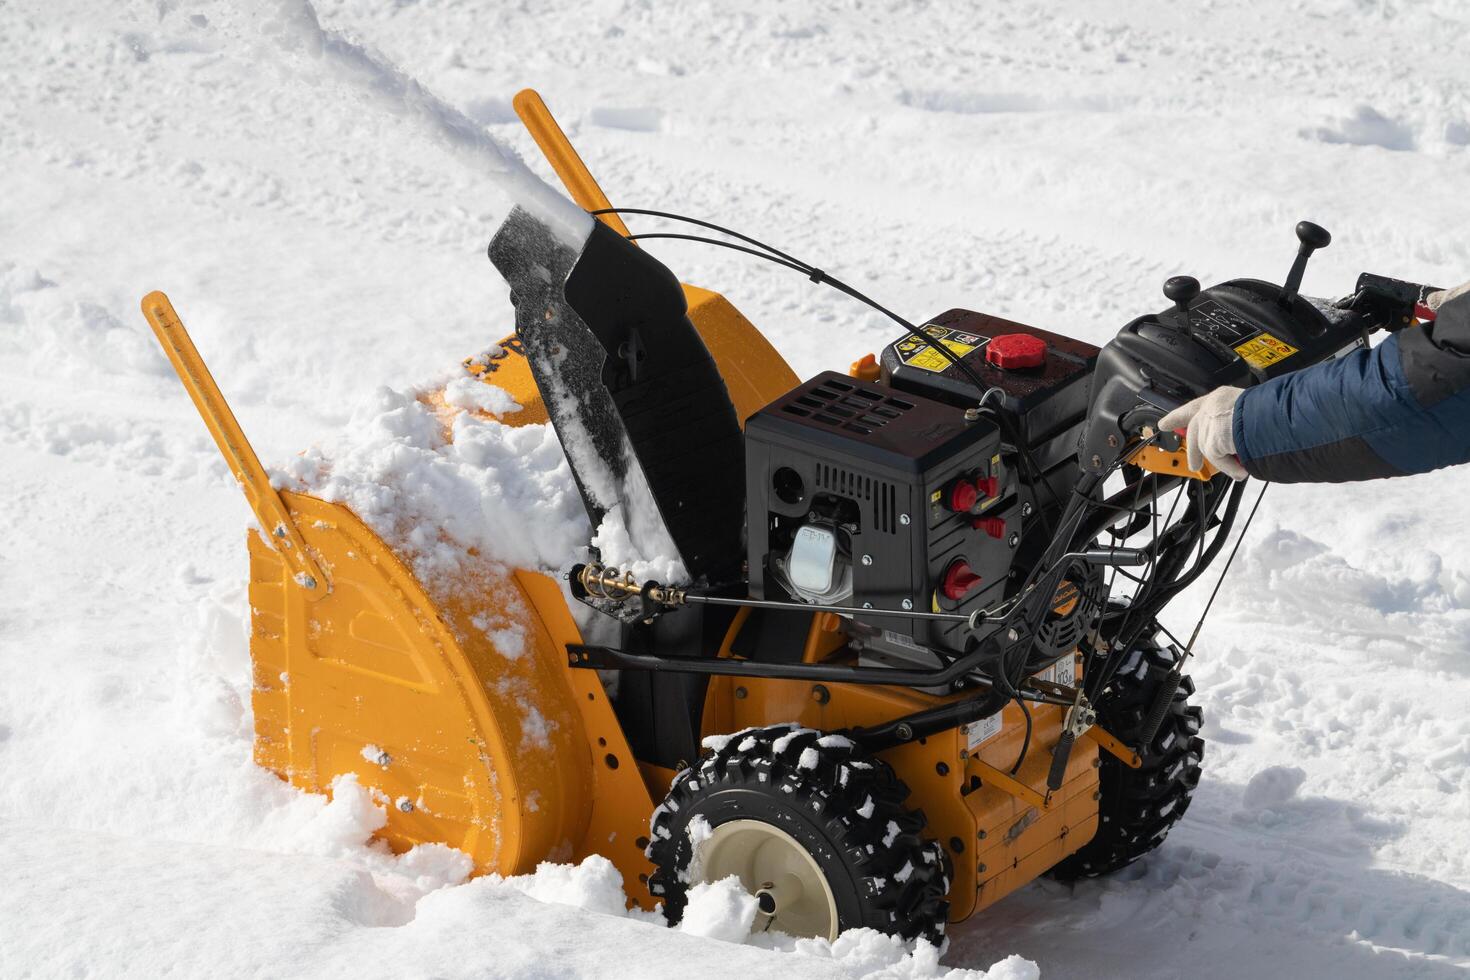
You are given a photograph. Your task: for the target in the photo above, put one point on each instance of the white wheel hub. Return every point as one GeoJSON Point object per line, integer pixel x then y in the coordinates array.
{"type": "Point", "coordinates": [791, 893]}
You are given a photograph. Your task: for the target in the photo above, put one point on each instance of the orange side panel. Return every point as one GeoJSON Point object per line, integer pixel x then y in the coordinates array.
{"type": "Point", "coordinates": [457, 715]}
{"type": "Point", "coordinates": [620, 806]}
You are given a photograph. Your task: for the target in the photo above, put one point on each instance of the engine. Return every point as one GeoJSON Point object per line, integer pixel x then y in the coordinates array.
{"type": "Point", "coordinates": [890, 490]}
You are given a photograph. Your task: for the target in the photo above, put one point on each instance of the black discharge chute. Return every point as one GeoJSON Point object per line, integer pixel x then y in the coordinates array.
{"type": "Point", "coordinates": [633, 392]}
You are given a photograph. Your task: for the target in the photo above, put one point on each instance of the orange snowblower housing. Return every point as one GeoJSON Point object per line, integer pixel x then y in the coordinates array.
{"type": "Point", "coordinates": [894, 681]}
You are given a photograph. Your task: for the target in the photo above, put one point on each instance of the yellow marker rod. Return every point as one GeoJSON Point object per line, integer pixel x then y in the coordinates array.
{"type": "Point", "coordinates": [563, 157]}
{"type": "Point", "coordinates": [269, 509]}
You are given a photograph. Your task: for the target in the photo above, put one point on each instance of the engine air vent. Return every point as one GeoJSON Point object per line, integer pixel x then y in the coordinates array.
{"type": "Point", "coordinates": [846, 483]}
{"type": "Point", "coordinates": [847, 406]}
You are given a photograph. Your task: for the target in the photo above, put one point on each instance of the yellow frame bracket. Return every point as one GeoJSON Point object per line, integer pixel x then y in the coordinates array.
{"type": "Point", "coordinates": [1005, 782]}
{"type": "Point", "coordinates": [1114, 747]}
{"type": "Point", "coordinates": [270, 510]}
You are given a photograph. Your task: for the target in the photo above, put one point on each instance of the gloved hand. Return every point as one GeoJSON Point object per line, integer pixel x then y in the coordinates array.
{"type": "Point", "coordinates": [1209, 422]}
{"type": "Point", "coordinates": [1435, 300]}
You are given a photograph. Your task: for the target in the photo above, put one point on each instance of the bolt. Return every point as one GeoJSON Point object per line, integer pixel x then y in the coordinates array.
{"type": "Point", "coordinates": [980, 869]}
{"type": "Point", "coordinates": [820, 694]}
{"type": "Point", "coordinates": [406, 805]}
{"type": "Point", "coordinates": [903, 519]}
{"type": "Point", "coordinates": [972, 415]}
{"type": "Point", "coordinates": [1014, 539]}
{"type": "Point", "coordinates": [1097, 794]}
{"type": "Point", "coordinates": [1097, 763]}
{"type": "Point", "coordinates": [907, 603]}
{"type": "Point", "coordinates": [942, 768]}
{"type": "Point", "coordinates": [980, 835]}
{"type": "Point", "coordinates": [1013, 634]}
{"type": "Point", "coordinates": [867, 605]}
{"type": "Point", "coordinates": [740, 693]}
{"type": "Point", "coordinates": [1112, 442]}
{"type": "Point", "coordinates": [1026, 509]}
{"type": "Point", "coordinates": [1096, 461]}
{"type": "Point", "coordinates": [867, 559]}
{"type": "Point", "coordinates": [904, 732]}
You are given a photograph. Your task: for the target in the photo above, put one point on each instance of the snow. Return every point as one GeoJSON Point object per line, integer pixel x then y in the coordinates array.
{"type": "Point", "coordinates": [319, 216]}
{"type": "Point", "coordinates": [721, 910]}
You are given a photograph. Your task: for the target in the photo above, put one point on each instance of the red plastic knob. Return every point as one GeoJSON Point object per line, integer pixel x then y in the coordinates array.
{"type": "Point", "coordinates": [962, 496]}
{"type": "Point", "coordinates": [993, 526]}
{"type": "Point", "coordinates": [1010, 351]}
{"type": "Point", "coordinates": [988, 486]}
{"type": "Point", "coordinates": [959, 581]}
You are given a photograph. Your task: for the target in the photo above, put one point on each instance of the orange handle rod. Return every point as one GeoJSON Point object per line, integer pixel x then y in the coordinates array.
{"type": "Point", "coordinates": [563, 157]}
{"type": "Point", "coordinates": [269, 508]}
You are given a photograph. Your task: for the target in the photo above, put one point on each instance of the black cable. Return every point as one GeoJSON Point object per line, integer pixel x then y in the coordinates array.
{"type": "Point", "coordinates": [773, 254]}
{"type": "Point", "coordinates": [799, 267]}
{"type": "Point", "coordinates": [1025, 742]}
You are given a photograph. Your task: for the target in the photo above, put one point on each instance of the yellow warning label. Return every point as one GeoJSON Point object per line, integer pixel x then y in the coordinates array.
{"type": "Point", "coordinates": [917, 353]}
{"type": "Point", "coordinates": [1264, 350]}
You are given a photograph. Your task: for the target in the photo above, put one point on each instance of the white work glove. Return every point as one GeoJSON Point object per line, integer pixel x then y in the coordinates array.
{"type": "Point", "coordinates": [1435, 300]}
{"type": "Point", "coordinates": [1209, 422]}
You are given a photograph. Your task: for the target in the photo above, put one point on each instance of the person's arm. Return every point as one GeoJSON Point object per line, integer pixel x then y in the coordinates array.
{"type": "Point", "coordinates": [1402, 407]}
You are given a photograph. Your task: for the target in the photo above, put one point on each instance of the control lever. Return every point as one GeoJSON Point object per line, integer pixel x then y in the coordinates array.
{"type": "Point", "coordinates": [1181, 291]}
{"type": "Point", "coordinates": [1312, 237]}
{"type": "Point", "coordinates": [1079, 718]}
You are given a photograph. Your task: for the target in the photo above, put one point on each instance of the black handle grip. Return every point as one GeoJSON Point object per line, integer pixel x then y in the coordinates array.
{"type": "Point", "coordinates": [1059, 757]}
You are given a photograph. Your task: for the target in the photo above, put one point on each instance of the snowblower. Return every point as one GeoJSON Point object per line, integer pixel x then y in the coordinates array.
{"type": "Point", "coordinates": [913, 657]}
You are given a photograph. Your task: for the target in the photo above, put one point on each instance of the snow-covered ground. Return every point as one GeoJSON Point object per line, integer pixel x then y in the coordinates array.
{"type": "Point", "coordinates": [1051, 162]}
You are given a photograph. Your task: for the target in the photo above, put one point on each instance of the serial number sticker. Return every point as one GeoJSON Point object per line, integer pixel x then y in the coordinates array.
{"type": "Point", "coordinates": [1064, 672]}
{"type": "Point", "coordinates": [917, 353]}
{"type": "Point", "coordinates": [898, 639]}
{"type": "Point", "coordinates": [982, 731]}
{"type": "Point", "coordinates": [1264, 351]}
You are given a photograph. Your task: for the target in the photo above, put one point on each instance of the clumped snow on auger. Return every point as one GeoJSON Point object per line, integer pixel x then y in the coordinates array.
{"type": "Point", "coordinates": [868, 650]}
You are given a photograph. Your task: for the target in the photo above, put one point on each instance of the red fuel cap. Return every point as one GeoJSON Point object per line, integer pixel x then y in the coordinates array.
{"type": "Point", "coordinates": [1010, 351]}
{"type": "Point", "coordinates": [962, 496]}
{"type": "Point", "coordinates": [959, 581]}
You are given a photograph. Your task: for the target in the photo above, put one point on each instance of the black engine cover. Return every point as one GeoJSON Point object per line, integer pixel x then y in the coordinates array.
{"type": "Point", "coordinates": [877, 461]}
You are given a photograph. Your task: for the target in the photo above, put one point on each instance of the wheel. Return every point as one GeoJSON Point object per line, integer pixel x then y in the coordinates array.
{"type": "Point", "coordinates": [1138, 806]}
{"type": "Point", "coordinates": [812, 826]}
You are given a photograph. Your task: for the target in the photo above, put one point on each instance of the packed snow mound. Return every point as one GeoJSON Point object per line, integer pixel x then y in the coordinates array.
{"type": "Point", "coordinates": [464, 497]}
{"type": "Point", "coordinates": [450, 495]}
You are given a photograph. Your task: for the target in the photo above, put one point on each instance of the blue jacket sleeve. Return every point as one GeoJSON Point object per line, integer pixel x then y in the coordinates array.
{"type": "Point", "coordinates": [1402, 407]}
